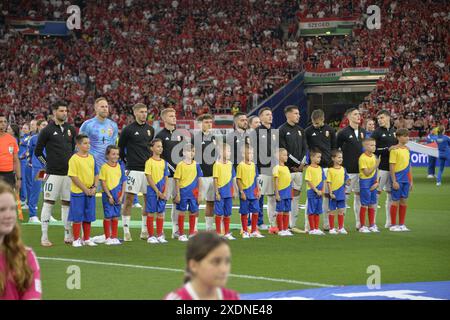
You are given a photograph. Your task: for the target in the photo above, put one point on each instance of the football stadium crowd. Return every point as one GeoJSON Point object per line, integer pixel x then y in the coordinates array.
{"type": "Point", "coordinates": [220, 56]}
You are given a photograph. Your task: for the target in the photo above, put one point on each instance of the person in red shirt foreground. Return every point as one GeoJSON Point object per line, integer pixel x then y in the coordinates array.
{"type": "Point", "coordinates": [208, 264]}
{"type": "Point", "coordinates": [19, 269]}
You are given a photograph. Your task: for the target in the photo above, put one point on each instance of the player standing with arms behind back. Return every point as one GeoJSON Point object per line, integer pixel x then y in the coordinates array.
{"type": "Point", "coordinates": [134, 152]}
{"type": "Point", "coordinates": [58, 140]}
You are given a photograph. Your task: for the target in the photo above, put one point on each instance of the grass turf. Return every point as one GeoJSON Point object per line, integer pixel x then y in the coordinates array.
{"type": "Point", "coordinates": [420, 255]}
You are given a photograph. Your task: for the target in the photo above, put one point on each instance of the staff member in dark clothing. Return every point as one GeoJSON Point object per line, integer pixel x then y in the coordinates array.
{"type": "Point", "coordinates": [385, 138]}
{"type": "Point", "coordinates": [172, 146]}
{"type": "Point", "coordinates": [323, 137]}
{"type": "Point", "coordinates": [58, 140]}
{"type": "Point", "coordinates": [349, 140]}
{"type": "Point", "coordinates": [134, 148]}
{"type": "Point", "coordinates": [205, 141]}
{"type": "Point", "coordinates": [293, 139]}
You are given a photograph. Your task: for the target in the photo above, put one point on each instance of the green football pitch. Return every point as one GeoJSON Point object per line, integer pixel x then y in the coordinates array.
{"type": "Point", "coordinates": [137, 270]}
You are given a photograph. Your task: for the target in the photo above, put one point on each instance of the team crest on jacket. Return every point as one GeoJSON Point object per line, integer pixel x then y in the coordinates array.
{"type": "Point", "coordinates": [327, 133]}
{"type": "Point", "coordinates": [299, 133]}
{"type": "Point", "coordinates": [148, 132]}
{"type": "Point", "coordinates": [110, 132]}
{"type": "Point", "coordinates": [69, 133]}
{"type": "Point", "coordinates": [362, 135]}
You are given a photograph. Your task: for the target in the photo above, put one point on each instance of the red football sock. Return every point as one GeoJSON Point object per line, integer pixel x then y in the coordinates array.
{"type": "Point", "coordinates": [150, 226]}
{"type": "Point", "coordinates": [312, 225]}
{"type": "Point", "coordinates": [76, 230]}
{"type": "Point", "coordinates": [285, 221]}
{"type": "Point", "coordinates": [181, 223]}
{"type": "Point", "coordinates": [192, 219]}
{"type": "Point", "coordinates": [393, 215]}
{"type": "Point", "coordinates": [317, 221]}
{"type": "Point", "coordinates": [107, 228]}
{"type": "Point", "coordinates": [362, 216]}
{"type": "Point", "coordinates": [371, 216]}
{"type": "Point", "coordinates": [280, 221]}
{"type": "Point", "coordinates": [244, 222]}
{"type": "Point", "coordinates": [254, 222]}
{"type": "Point", "coordinates": [331, 221]}
{"type": "Point", "coordinates": [402, 214]}
{"type": "Point", "coordinates": [86, 230]}
{"type": "Point", "coordinates": [226, 223]}
{"type": "Point", "coordinates": [159, 226]}
{"type": "Point", "coordinates": [218, 224]}
{"type": "Point", "coordinates": [114, 228]}
{"type": "Point", "coordinates": [341, 221]}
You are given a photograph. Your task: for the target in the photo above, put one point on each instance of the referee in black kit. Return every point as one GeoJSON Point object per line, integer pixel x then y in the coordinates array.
{"type": "Point", "coordinates": [349, 140]}
{"type": "Point", "coordinates": [293, 139]}
{"type": "Point", "coordinates": [385, 138]}
{"type": "Point", "coordinates": [323, 137]}
{"type": "Point", "coordinates": [134, 151]}
{"type": "Point", "coordinates": [171, 138]}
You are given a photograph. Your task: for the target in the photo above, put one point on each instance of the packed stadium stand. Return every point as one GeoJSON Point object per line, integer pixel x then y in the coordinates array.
{"type": "Point", "coordinates": [219, 56]}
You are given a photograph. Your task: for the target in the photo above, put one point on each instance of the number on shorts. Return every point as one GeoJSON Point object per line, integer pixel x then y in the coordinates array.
{"type": "Point", "coordinates": [131, 180]}
{"type": "Point", "coordinates": [48, 187]}
{"type": "Point", "coordinates": [261, 182]}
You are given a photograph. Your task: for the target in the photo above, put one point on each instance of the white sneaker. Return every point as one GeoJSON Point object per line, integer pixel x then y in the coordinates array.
{"type": "Point", "coordinates": [183, 238]}
{"type": "Point", "coordinates": [229, 236]}
{"type": "Point", "coordinates": [364, 229]}
{"type": "Point", "coordinates": [144, 235]}
{"type": "Point", "coordinates": [127, 237]}
{"type": "Point", "coordinates": [430, 176]}
{"type": "Point", "coordinates": [320, 232]}
{"type": "Point", "coordinates": [152, 240]}
{"type": "Point", "coordinates": [100, 239]}
{"type": "Point", "coordinates": [282, 233]}
{"type": "Point", "coordinates": [90, 243]}
{"type": "Point", "coordinates": [374, 229]}
{"type": "Point", "coordinates": [25, 207]}
{"type": "Point", "coordinates": [342, 231]}
{"type": "Point", "coordinates": [175, 235]}
{"type": "Point", "coordinates": [245, 235]}
{"type": "Point", "coordinates": [77, 243]}
{"type": "Point", "coordinates": [161, 239]}
{"type": "Point", "coordinates": [116, 242]}
{"type": "Point", "coordinates": [53, 219]}
{"type": "Point", "coordinates": [387, 225]}
{"type": "Point", "coordinates": [263, 227]}
{"type": "Point", "coordinates": [403, 228]}
{"type": "Point", "coordinates": [394, 228]}
{"type": "Point", "coordinates": [256, 234]}
{"type": "Point", "coordinates": [137, 205]}
{"type": "Point", "coordinates": [108, 241]}
{"type": "Point", "coordinates": [438, 184]}
{"type": "Point", "coordinates": [288, 233]}
{"type": "Point", "coordinates": [333, 231]}
{"type": "Point", "coordinates": [34, 220]}
{"type": "Point", "coordinates": [313, 232]}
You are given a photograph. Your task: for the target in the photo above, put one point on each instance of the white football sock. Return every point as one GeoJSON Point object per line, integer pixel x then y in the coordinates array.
{"type": "Point", "coordinates": [126, 224]}
{"type": "Point", "coordinates": [67, 224]}
{"type": "Point", "coordinates": [209, 223]}
{"type": "Point", "coordinates": [144, 224]}
{"type": "Point", "coordinates": [325, 207]}
{"type": "Point", "coordinates": [357, 208]}
{"type": "Point", "coordinates": [293, 215]}
{"type": "Point", "coordinates": [46, 213]}
{"type": "Point", "coordinates": [271, 212]}
{"type": "Point", "coordinates": [388, 208]}
{"type": "Point", "coordinates": [306, 216]}
{"type": "Point", "coordinates": [174, 217]}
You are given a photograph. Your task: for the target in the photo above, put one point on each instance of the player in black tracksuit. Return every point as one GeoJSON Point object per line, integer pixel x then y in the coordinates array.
{"type": "Point", "coordinates": [293, 139]}
{"type": "Point", "coordinates": [385, 138]}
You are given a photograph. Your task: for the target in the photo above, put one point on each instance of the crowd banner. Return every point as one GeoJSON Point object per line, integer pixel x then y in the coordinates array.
{"type": "Point", "coordinates": [335, 74]}
{"type": "Point", "coordinates": [326, 26]}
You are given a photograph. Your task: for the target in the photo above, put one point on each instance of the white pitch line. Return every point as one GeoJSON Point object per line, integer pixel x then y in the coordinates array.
{"type": "Point", "coordinates": [243, 276]}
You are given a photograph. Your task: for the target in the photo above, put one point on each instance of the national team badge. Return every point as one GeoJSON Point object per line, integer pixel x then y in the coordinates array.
{"type": "Point", "coordinates": [130, 188]}
{"type": "Point", "coordinates": [47, 195]}
{"type": "Point", "coordinates": [274, 137]}
{"type": "Point", "coordinates": [327, 134]}
{"type": "Point", "coordinates": [148, 132]}
{"type": "Point", "coordinates": [11, 149]}
{"type": "Point", "coordinates": [299, 133]}
{"type": "Point", "coordinates": [110, 132]}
